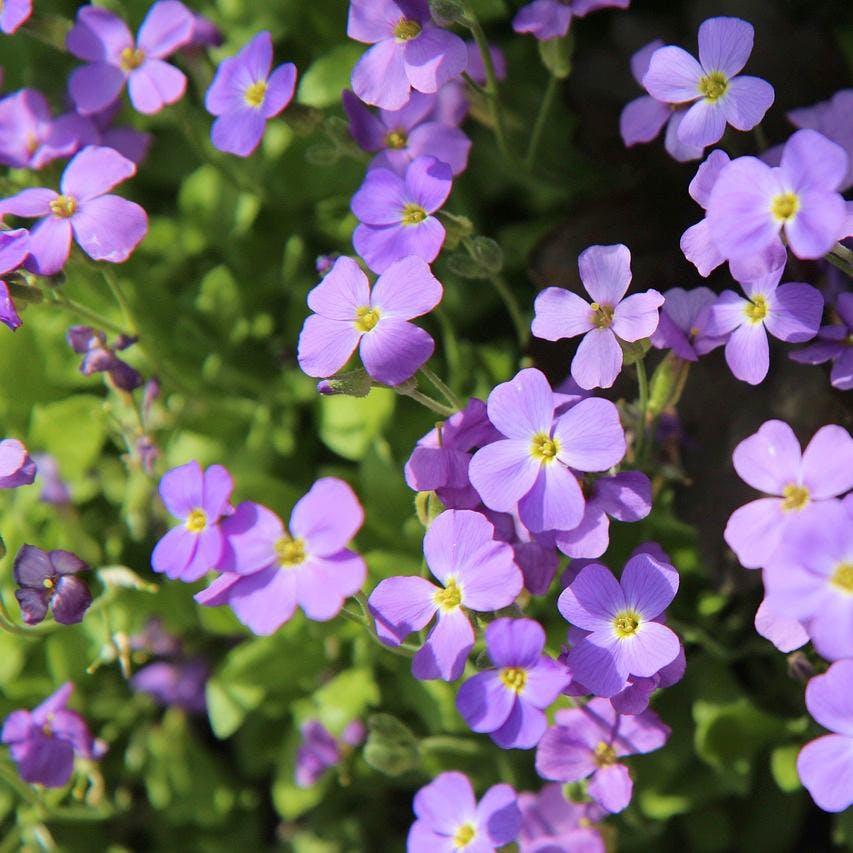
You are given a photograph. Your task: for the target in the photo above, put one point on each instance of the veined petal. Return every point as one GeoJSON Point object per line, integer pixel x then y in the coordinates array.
{"type": "Point", "coordinates": [395, 350]}
{"type": "Point", "coordinates": [650, 649]}
{"type": "Point", "coordinates": [446, 649]}
{"type": "Point", "coordinates": [748, 353]}
{"type": "Point", "coordinates": [167, 27]}
{"type": "Point", "coordinates": [559, 313]}
{"type": "Point", "coordinates": [428, 183]}
{"type": "Point", "coordinates": [555, 502]}
{"type": "Point", "coordinates": [642, 119]}
{"type": "Point", "coordinates": [770, 458]}
{"type": "Point", "coordinates": [265, 600]}
{"type": "Point", "coordinates": [592, 599]}
{"type": "Point", "coordinates": [703, 123]}
{"type": "Point", "coordinates": [746, 102]}
{"type": "Point", "coordinates": [484, 702]}
{"type": "Point", "coordinates": [95, 171]}
{"type": "Point", "coordinates": [590, 436]}
{"type": "Point", "coordinates": [725, 44]}
{"type": "Point", "coordinates": [433, 58]}
{"type": "Point", "coordinates": [818, 225]}
{"type": "Point", "coordinates": [605, 272]}
{"type": "Point", "coordinates": [342, 291]}
{"type": "Point", "coordinates": [380, 77]}
{"type": "Point", "coordinates": [598, 360]}
{"type": "Point", "coordinates": [611, 787]}
{"type": "Point", "coordinates": [649, 586]}
{"type": "Point", "coordinates": [326, 345]}
{"type": "Point", "coordinates": [522, 407]}
{"type": "Point", "coordinates": [95, 86]}
{"type": "Point", "coordinates": [327, 517]}
{"type": "Point", "coordinates": [794, 313]}
{"type": "Point", "coordinates": [406, 289]}
{"type": "Point", "coordinates": [827, 466]}
{"type": "Point", "coordinates": [401, 605]}
{"type": "Point", "coordinates": [637, 316]}
{"type": "Point", "coordinates": [503, 472]}
{"type": "Point", "coordinates": [673, 76]}
{"type": "Point", "coordinates": [109, 228]}
{"type": "Point", "coordinates": [50, 245]}
{"type": "Point", "coordinates": [754, 531]}
{"type": "Point", "coordinates": [154, 85]}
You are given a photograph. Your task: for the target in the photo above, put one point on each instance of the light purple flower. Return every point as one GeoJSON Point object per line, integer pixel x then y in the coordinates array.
{"type": "Point", "coordinates": [16, 466]}
{"type": "Point", "coordinates": [320, 750]}
{"type": "Point", "coordinates": [834, 343]}
{"type": "Point", "coordinates": [634, 699]}
{"type": "Point", "coordinates": [395, 213]}
{"type": "Point", "coordinates": [13, 13]}
{"type": "Point", "coordinates": [825, 765]}
{"type": "Point", "coordinates": [790, 312]}
{"type": "Point", "coordinates": [606, 275]}
{"type": "Point", "coordinates": [348, 314]}
{"type": "Point", "coordinates": [103, 40]}
{"type": "Point", "coordinates": [29, 136]}
{"type": "Point", "coordinates": [475, 573]}
{"type": "Point", "coordinates": [106, 227]}
{"type": "Point", "coordinates": [409, 51]}
{"type": "Point", "coordinates": [46, 579]}
{"type": "Point", "coordinates": [43, 742]}
{"type": "Point", "coordinates": [529, 471]}
{"type": "Point", "coordinates": [199, 499]}
{"type": "Point", "coordinates": [552, 824]}
{"type": "Point", "coordinates": [718, 94]}
{"type": "Point", "coordinates": [590, 740]}
{"type": "Point", "coordinates": [245, 95]}
{"type": "Point", "coordinates": [770, 461]}
{"type": "Point", "coordinates": [752, 202]}
{"type": "Point", "coordinates": [682, 323]}
{"type": "Point", "coordinates": [178, 683]}
{"type": "Point", "coordinates": [14, 249]}
{"type": "Point", "coordinates": [403, 135]}
{"type": "Point", "coordinates": [785, 632]}
{"type": "Point", "coordinates": [550, 19]}
{"type": "Point", "coordinates": [508, 702]}
{"type": "Point", "coordinates": [625, 638]}
{"type": "Point", "coordinates": [449, 817]}
{"type": "Point", "coordinates": [268, 569]}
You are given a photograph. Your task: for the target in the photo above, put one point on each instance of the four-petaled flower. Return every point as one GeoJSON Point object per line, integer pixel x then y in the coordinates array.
{"type": "Point", "coordinates": [46, 580]}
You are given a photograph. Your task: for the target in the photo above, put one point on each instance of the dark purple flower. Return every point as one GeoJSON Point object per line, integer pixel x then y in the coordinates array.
{"type": "Point", "coordinates": [551, 19]}
{"type": "Point", "coordinates": [46, 579]}
{"type": "Point", "coordinates": [683, 322]}
{"type": "Point", "coordinates": [175, 683]}
{"type": "Point", "coordinates": [16, 466]}
{"type": "Point", "coordinates": [320, 750]}
{"type": "Point", "coordinates": [13, 13]}
{"type": "Point", "coordinates": [103, 40]}
{"type": "Point", "coordinates": [834, 343]}
{"type": "Point", "coordinates": [552, 824]}
{"type": "Point", "coordinates": [100, 358]}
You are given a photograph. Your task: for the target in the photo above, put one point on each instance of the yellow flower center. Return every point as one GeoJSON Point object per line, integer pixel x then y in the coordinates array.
{"type": "Point", "coordinates": [196, 521]}
{"type": "Point", "coordinates": [63, 206]}
{"type": "Point", "coordinates": [842, 578]}
{"type": "Point", "coordinates": [602, 315]}
{"type": "Point", "coordinates": [396, 139]}
{"type": "Point", "coordinates": [795, 497]}
{"type": "Point", "coordinates": [605, 755]}
{"type": "Point", "coordinates": [254, 94]}
{"type": "Point", "coordinates": [714, 85]}
{"type": "Point", "coordinates": [131, 58]}
{"type": "Point", "coordinates": [626, 624]}
{"type": "Point", "coordinates": [48, 583]}
{"type": "Point", "coordinates": [464, 835]}
{"type": "Point", "coordinates": [413, 214]}
{"type": "Point", "coordinates": [32, 141]}
{"type": "Point", "coordinates": [756, 311]}
{"type": "Point", "coordinates": [406, 29]}
{"type": "Point", "coordinates": [290, 552]}
{"type": "Point", "coordinates": [450, 597]}
{"type": "Point", "coordinates": [784, 206]}
{"type": "Point", "coordinates": [544, 448]}
{"type": "Point", "coordinates": [366, 318]}
{"type": "Point", "coordinates": [513, 678]}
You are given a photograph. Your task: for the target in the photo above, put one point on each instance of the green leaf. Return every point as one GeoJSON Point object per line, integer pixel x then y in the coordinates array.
{"type": "Point", "coordinates": [348, 425]}
{"type": "Point", "coordinates": [72, 430]}
{"type": "Point", "coordinates": [346, 697]}
{"type": "Point", "coordinates": [229, 703]}
{"type": "Point", "coordinates": [391, 746]}
{"type": "Point", "coordinates": [325, 79]}
{"type": "Point", "coordinates": [783, 766]}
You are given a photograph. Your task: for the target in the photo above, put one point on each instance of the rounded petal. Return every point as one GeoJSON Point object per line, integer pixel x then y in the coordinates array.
{"type": "Point", "coordinates": [545, 681]}
{"type": "Point", "coordinates": [428, 183]}
{"type": "Point", "coordinates": [503, 472]}
{"type": "Point", "coordinates": [50, 245]}
{"type": "Point", "coordinates": [327, 517]}
{"type": "Point", "coordinates": [380, 246]}
{"type": "Point", "coordinates": [769, 459]}
{"type": "Point", "coordinates": [649, 586]}
{"type": "Point", "coordinates": [484, 702]}
{"type": "Point", "coordinates": [342, 291]}
{"type": "Point", "coordinates": [678, 150]}
{"type": "Point", "coordinates": [280, 88]}
{"type": "Point", "coordinates": [626, 496]}
{"type": "Point", "coordinates": [70, 601]}
{"type": "Point", "coordinates": [182, 489]}
{"type": "Point", "coordinates": [555, 502]}
{"type": "Point", "coordinates": [326, 345]}
{"type": "Point", "coordinates": [829, 698]}
{"type": "Point", "coordinates": [817, 226]}
{"type": "Point", "coordinates": [544, 19]}
{"type": "Point", "coordinates": [649, 650]}
{"type": "Point", "coordinates": [94, 87]}
{"type": "Point", "coordinates": [238, 132]}
{"type": "Point", "coordinates": [379, 78]}
{"type": "Point", "coordinates": [401, 605]}
{"type": "Point", "coordinates": [591, 536]}
{"type": "Point", "coordinates": [381, 198]}
{"type": "Point", "coordinates": [32, 567]}
{"type": "Point", "coordinates": [605, 272]}
{"type": "Point", "coordinates": [98, 35]}
{"type": "Point", "coordinates": [794, 313]}
{"type": "Point", "coordinates": [754, 531]}
{"type": "Point", "coordinates": [523, 728]}
{"type": "Point", "coordinates": [174, 552]}
{"type": "Point", "coordinates": [433, 138]}
{"type": "Point", "coordinates": [590, 436]}
{"type": "Point", "coordinates": [458, 540]}
{"type": "Point", "coordinates": [612, 787]}
{"type": "Point", "coordinates": [433, 58]}
{"type": "Point", "coordinates": [748, 353]}
{"type": "Point", "coordinates": [592, 599]}
{"type": "Point", "coordinates": [598, 360]}
{"type": "Point", "coordinates": [559, 313]}
{"type": "Point", "coordinates": [825, 767]}
{"type": "Point", "coordinates": [673, 76]}
{"type": "Point", "coordinates": [394, 350]}
{"type": "Point", "coordinates": [44, 760]}
{"type": "Point", "coordinates": [515, 642]}
{"type": "Point", "coordinates": [446, 803]}
{"type": "Point", "coordinates": [250, 534]}
{"type": "Point", "coordinates": [218, 485]}
{"type": "Point", "coordinates": [446, 649]}
{"type": "Point", "coordinates": [703, 124]}
{"type": "Point", "coordinates": [642, 119]}
{"type": "Point", "coordinates": [523, 406]}
{"type": "Point", "coordinates": [827, 466]}
{"type": "Point", "coordinates": [167, 27]}
{"type": "Point", "coordinates": [811, 161]}
{"type": "Point", "coordinates": [265, 600]}
{"type": "Point", "coordinates": [322, 586]}
{"type": "Point", "coordinates": [700, 249]}
{"type": "Point", "coordinates": [154, 85]}
{"type": "Point", "coordinates": [746, 102]}
{"type": "Point", "coordinates": [706, 176]}
{"type": "Point", "coordinates": [637, 316]}
{"type": "Point", "coordinates": [725, 44]}
{"type": "Point", "coordinates": [563, 755]}
{"type": "Point", "coordinates": [594, 661]}
{"type": "Point", "coordinates": [95, 171]}
{"type": "Point", "coordinates": [406, 289]}
{"type": "Point", "coordinates": [28, 203]}
{"type": "Point", "coordinates": [498, 815]}
{"type": "Point", "coordinates": [109, 228]}
{"type": "Point", "coordinates": [785, 632]}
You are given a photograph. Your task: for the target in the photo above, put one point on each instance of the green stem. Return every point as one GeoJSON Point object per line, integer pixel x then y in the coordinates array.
{"type": "Point", "coordinates": [120, 298]}
{"type": "Point", "coordinates": [541, 120]}
{"type": "Point", "coordinates": [8, 624]}
{"type": "Point", "coordinates": [440, 386]}
{"type": "Point", "coordinates": [425, 400]}
{"type": "Point", "coordinates": [21, 788]}
{"type": "Point", "coordinates": [403, 650]}
{"type": "Point", "coordinates": [643, 406]}
{"type": "Point", "coordinates": [522, 330]}
{"type": "Point", "coordinates": [62, 301]}
{"type": "Point", "coordinates": [451, 346]}
{"type": "Point", "coordinates": [445, 743]}
{"type": "Point", "coordinates": [474, 84]}
{"type": "Point", "coordinates": [842, 258]}
{"type": "Point", "coordinates": [760, 138]}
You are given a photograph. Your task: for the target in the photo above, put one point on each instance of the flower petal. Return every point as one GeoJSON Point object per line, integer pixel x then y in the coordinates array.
{"type": "Point", "coordinates": [250, 533]}
{"type": "Point", "coordinates": [673, 76]}
{"type": "Point", "coordinates": [598, 360]}
{"type": "Point", "coordinates": [590, 436]}
{"type": "Point", "coordinates": [394, 350]}
{"type": "Point", "coordinates": [748, 353]}
{"type": "Point", "coordinates": [650, 649]}
{"type": "Point", "coordinates": [555, 502]}
{"type": "Point", "coordinates": [503, 472]}
{"type": "Point", "coordinates": [428, 183]}
{"type": "Point", "coordinates": [239, 131]}
{"type": "Point", "coordinates": [406, 289]}
{"type": "Point", "coordinates": [725, 44]}
{"type": "Point", "coordinates": [98, 35]}
{"type": "Point", "coordinates": [379, 78]}
{"type": "Point", "coordinates": [446, 649]}
{"type": "Point", "coordinates": [484, 702]}
{"type": "Point", "coordinates": [327, 517]}
{"type": "Point", "coordinates": [754, 531]}
{"type": "Point", "coordinates": [605, 272]}
{"type": "Point", "coordinates": [649, 586]}
{"type": "Point", "coordinates": [515, 642]}
{"type": "Point", "coordinates": [559, 313]}
{"type": "Point", "coordinates": [611, 787]}
{"type": "Point", "coordinates": [50, 245]}
{"type": "Point", "coordinates": [825, 767]}
{"type": "Point", "coordinates": [433, 58]}
{"type": "Point", "coordinates": [280, 87]}
{"type": "Point", "coordinates": [95, 171]}
{"type": "Point", "coordinates": [703, 123]}
{"type": "Point", "coordinates": [326, 345]}
{"type": "Point", "coordinates": [642, 119]}
{"type": "Point", "coordinates": [446, 803]}
{"type": "Point", "coordinates": [400, 605]}
{"type": "Point", "coordinates": [829, 698]}
{"type": "Point", "coordinates": [592, 599]}
{"type": "Point", "coordinates": [827, 466]}
{"type": "Point", "coordinates": [154, 84]}
{"type": "Point", "coordinates": [637, 316]}
{"type": "Point", "coordinates": [523, 406]}
{"type": "Point", "coordinates": [167, 27]}
{"type": "Point", "coordinates": [746, 102]}
{"type": "Point", "coordinates": [109, 228]}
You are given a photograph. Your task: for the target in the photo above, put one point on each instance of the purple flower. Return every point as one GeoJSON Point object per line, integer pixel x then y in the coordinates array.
{"type": "Point", "coordinates": [785, 632]}
{"type": "Point", "coordinates": [834, 343]}
{"type": "Point", "coordinates": [752, 202]}
{"type": "Point", "coordinates": [590, 740]}
{"type": "Point", "coordinates": [533, 552]}
{"type": "Point", "coordinates": [100, 358]}
{"type": "Point", "coordinates": [403, 135]}
{"type": "Point", "coordinates": [46, 580]}
{"type": "Point", "coordinates": [54, 490]}
{"type": "Point", "coordinates": [199, 499]}
{"type": "Point", "coordinates": [395, 213]}
{"type": "Point", "coordinates": [825, 765]}
{"type": "Point", "coordinates": [14, 248]}
{"type": "Point", "coordinates": [606, 275]}
{"type": "Point", "coordinates": [770, 461]}
{"type": "Point", "coordinates": [475, 572]}
{"type": "Point", "coordinates": [409, 51]}
{"type": "Point", "coordinates": [245, 95]}
{"type": "Point", "coordinates": [550, 19]}
{"type": "Point", "coordinates": [269, 569]}
{"type": "Point", "coordinates": [552, 824]}
{"type": "Point", "coordinates": [634, 699]}
{"type": "Point", "coordinates": [16, 466]}
{"type": "Point", "coordinates": [107, 227]}
{"type": "Point", "coordinates": [790, 312]}
{"type": "Point", "coordinates": [508, 702]}
{"type": "Point", "coordinates": [449, 817]}
{"type": "Point", "coordinates": [683, 322]}
{"type": "Point", "coordinates": [530, 469]}
{"type": "Point", "coordinates": [43, 742]}
{"type": "Point", "coordinates": [29, 137]}
{"type": "Point", "coordinates": [320, 750]}
{"type": "Point", "coordinates": [13, 13]}
{"type": "Point", "coordinates": [348, 314]}
{"type": "Point", "coordinates": [175, 683]}
{"type": "Point", "coordinates": [625, 637]}
{"type": "Point", "coordinates": [103, 40]}
{"type": "Point", "coordinates": [718, 95]}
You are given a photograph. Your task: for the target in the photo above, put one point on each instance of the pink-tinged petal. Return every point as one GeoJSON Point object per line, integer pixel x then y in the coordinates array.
{"type": "Point", "coordinates": [640, 59]}
{"type": "Point", "coordinates": [564, 755]}
{"type": "Point", "coordinates": [167, 27]}
{"type": "Point", "coordinates": [206, 556]}
{"type": "Point", "coordinates": [28, 203]}
{"type": "Point", "coordinates": [218, 485]}
{"type": "Point", "coordinates": [484, 702]}
{"type": "Point", "coordinates": [50, 245]}
{"type": "Point", "coordinates": [605, 272]}
{"type": "Point", "coordinates": [590, 436]}
{"type": "Point", "coordinates": [326, 345]}
{"type": "Point", "coordinates": [446, 803]}
{"type": "Point", "coordinates": [818, 225]}
{"type": "Point", "coordinates": [98, 36]}
{"type": "Point", "coordinates": [381, 198]}
{"type": "Point", "coordinates": [109, 228]}
{"type": "Point", "coordinates": [591, 536]}
{"type": "Point", "coordinates": [754, 531]}
{"type": "Point", "coordinates": [380, 78]}
{"type": "Point", "coordinates": [342, 291]}
{"type": "Point", "coordinates": [327, 517]}
{"type": "Point", "coordinates": [280, 88]}
{"type": "Point", "coordinates": [748, 353]}
{"type": "Point", "coordinates": [523, 728]}
{"type": "Point", "coordinates": [678, 150]}
{"type": "Point", "coordinates": [811, 161]}
{"type": "Point", "coordinates": [95, 171]}
{"type": "Point", "coordinates": [785, 632]}
{"type": "Point", "coordinates": [827, 467]}
{"type": "Point", "coordinates": [769, 459]}
{"type": "Point", "coordinates": [706, 176]}
{"type": "Point", "coordinates": [592, 599]}
{"type": "Point", "coordinates": [515, 642]}
{"type": "Point", "coordinates": [598, 360]}
{"type": "Point", "coordinates": [559, 313]}
{"type": "Point", "coordinates": [498, 815]}
{"type": "Point", "coordinates": [13, 14]}
{"type": "Point", "coordinates": [649, 586]}
{"type": "Point", "coordinates": [522, 407]}
{"type": "Point", "coordinates": [650, 649]}
{"type": "Point", "coordinates": [503, 472]}
{"type": "Point", "coordinates": [394, 350]}
{"type": "Point", "coordinates": [250, 532]}
{"type": "Point", "coordinates": [829, 698]}
{"type": "Point", "coordinates": [673, 76]}
{"type": "Point", "coordinates": [428, 183]}
{"type": "Point", "coordinates": [173, 552]}
{"type": "Point", "coordinates": [219, 592]}
{"type": "Point", "coordinates": [642, 119]}
{"type": "Point", "coordinates": [725, 44]}
{"type": "Point", "coordinates": [612, 787]}
{"type": "Point", "coordinates": [794, 313]}
{"type": "Point", "coordinates": [446, 649]}
{"type": "Point", "coordinates": [94, 87]}
{"type": "Point", "coordinates": [637, 316]}
{"type": "Point", "coordinates": [825, 767]}
{"type": "Point", "coordinates": [182, 489]}
{"type": "Point", "coordinates": [555, 502]}
{"type": "Point", "coordinates": [703, 124]}
{"type": "Point", "coordinates": [401, 605]}
{"type": "Point", "coordinates": [746, 102]}
{"type": "Point", "coordinates": [265, 600]}
{"type": "Point", "coordinates": [380, 246]}
{"type": "Point", "coordinates": [433, 58]}
{"type": "Point", "coordinates": [154, 85]}
{"type": "Point", "coordinates": [406, 289]}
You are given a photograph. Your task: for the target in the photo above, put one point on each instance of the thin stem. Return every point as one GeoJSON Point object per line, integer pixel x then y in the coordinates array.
{"type": "Point", "coordinates": [842, 258]}
{"type": "Point", "coordinates": [120, 298]}
{"type": "Point", "coordinates": [541, 120]}
{"type": "Point", "coordinates": [760, 138]}
{"type": "Point", "coordinates": [440, 386]}
{"type": "Point", "coordinates": [425, 400]}
{"type": "Point", "coordinates": [451, 345]}
{"type": "Point", "coordinates": [62, 301]}
{"type": "Point", "coordinates": [522, 329]}
{"type": "Point", "coordinates": [24, 791]}
{"type": "Point", "coordinates": [8, 624]}
{"type": "Point", "coordinates": [643, 405]}
{"type": "Point", "coordinates": [474, 84]}
{"type": "Point", "coordinates": [445, 743]}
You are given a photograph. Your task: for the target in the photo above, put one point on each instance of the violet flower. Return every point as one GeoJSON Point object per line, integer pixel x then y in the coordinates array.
{"type": "Point", "coordinates": [552, 824]}
{"type": "Point", "coordinates": [717, 92]}
{"type": "Point", "coordinates": [321, 750]}
{"type": "Point", "coordinates": [395, 213]}
{"type": "Point", "coordinates": [409, 51]}
{"type": "Point", "coordinates": [834, 343]}
{"type": "Point", "coordinates": [348, 314]}
{"type": "Point", "coordinates": [177, 684]}
{"type": "Point", "coordinates": [14, 249]}
{"type": "Point", "coordinates": [606, 274]}
{"type": "Point", "coordinates": [450, 818]}
{"type": "Point", "coordinates": [244, 96]}
{"type": "Point", "coordinates": [16, 466]}
{"type": "Point", "coordinates": [13, 13]}
{"type": "Point", "coordinates": [683, 322]}
{"type": "Point", "coordinates": [533, 552]}
{"type": "Point", "coordinates": [475, 573]}
{"type": "Point", "coordinates": [590, 740]}
{"type": "Point", "coordinates": [54, 490]}
{"type": "Point", "coordinates": [100, 358]}
{"type": "Point", "coordinates": [785, 632]}
{"type": "Point", "coordinates": [102, 40]}
{"type": "Point", "coordinates": [46, 580]}
{"type": "Point", "coordinates": [551, 19]}
{"type": "Point", "coordinates": [106, 227]}
{"type": "Point", "coordinates": [29, 136]}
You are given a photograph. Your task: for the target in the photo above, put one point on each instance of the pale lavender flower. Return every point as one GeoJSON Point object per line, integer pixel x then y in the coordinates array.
{"type": "Point", "coordinates": [16, 466]}
{"type": "Point", "coordinates": [834, 343]}
{"type": "Point", "coordinates": [450, 818]}
{"type": "Point", "coordinates": [770, 460]}
{"type": "Point", "coordinates": [552, 824]}
{"type": "Point", "coordinates": [244, 95]}
{"type": "Point", "coordinates": [717, 92]}
{"type": "Point", "coordinates": [395, 213]}
{"type": "Point", "coordinates": [785, 632]}
{"type": "Point", "coordinates": [682, 323]}
{"type": "Point", "coordinates": [13, 13]}
{"type": "Point", "coordinates": [349, 314]}
{"type": "Point", "coordinates": [550, 19]}
{"type": "Point", "coordinates": [46, 580]}
{"type": "Point", "coordinates": [475, 572]}
{"type": "Point", "coordinates": [606, 274]}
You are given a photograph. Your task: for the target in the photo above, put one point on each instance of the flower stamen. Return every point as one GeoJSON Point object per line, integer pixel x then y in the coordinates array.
{"type": "Point", "coordinates": [366, 318]}
{"type": "Point", "coordinates": [196, 521]}
{"type": "Point", "coordinates": [64, 206]}
{"type": "Point", "coordinates": [714, 85]}
{"type": "Point", "coordinates": [514, 678]}
{"type": "Point", "coordinates": [450, 597]}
